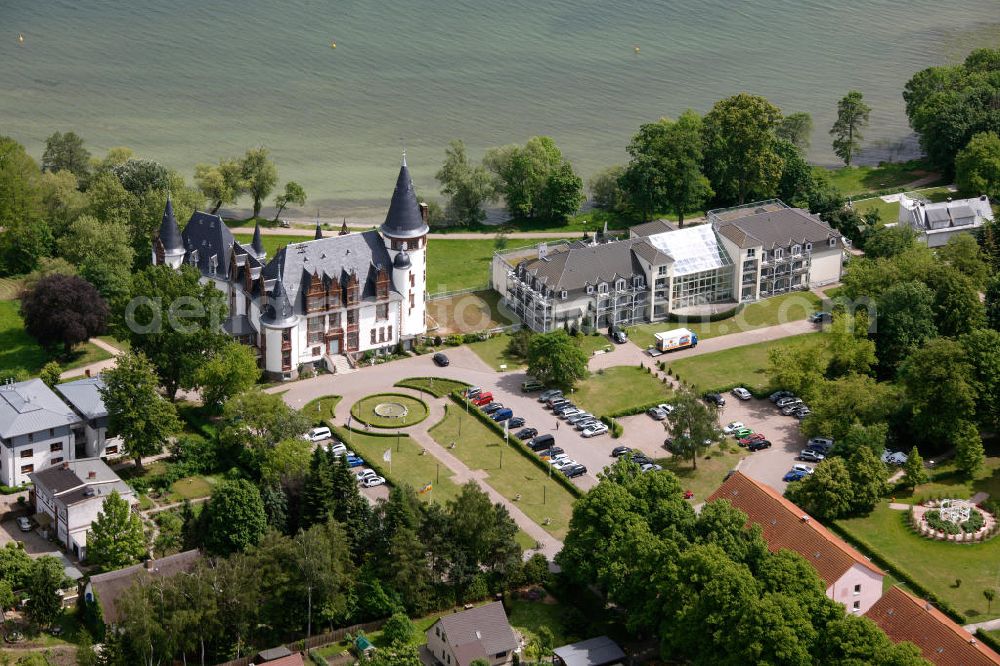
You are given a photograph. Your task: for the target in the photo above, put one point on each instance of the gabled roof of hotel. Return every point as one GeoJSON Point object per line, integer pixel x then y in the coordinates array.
{"type": "Point", "coordinates": [31, 406]}
{"type": "Point", "coordinates": [904, 617]}
{"type": "Point", "coordinates": [777, 228]}
{"type": "Point", "coordinates": [208, 235]}
{"type": "Point", "coordinates": [578, 264]}
{"type": "Point", "coordinates": [787, 526]}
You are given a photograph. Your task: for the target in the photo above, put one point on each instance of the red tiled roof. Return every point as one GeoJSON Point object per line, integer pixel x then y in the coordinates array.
{"type": "Point", "coordinates": [787, 526]}
{"type": "Point", "coordinates": [905, 618]}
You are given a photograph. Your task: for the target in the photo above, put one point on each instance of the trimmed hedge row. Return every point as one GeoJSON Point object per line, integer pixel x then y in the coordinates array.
{"type": "Point", "coordinates": [757, 393]}
{"type": "Point", "coordinates": [898, 572]}
{"type": "Point", "coordinates": [519, 445]}
{"type": "Point", "coordinates": [989, 640]}
{"type": "Point", "coordinates": [614, 427]}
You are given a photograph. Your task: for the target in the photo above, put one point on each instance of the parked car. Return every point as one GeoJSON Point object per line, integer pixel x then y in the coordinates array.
{"type": "Point", "coordinates": [586, 423]}
{"type": "Point", "coordinates": [580, 416]}
{"type": "Point", "coordinates": [560, 463]}
{"type": "Point", "coordinates": [482, 399]}
{"type": "Point", "coordinates": [620, 451]}
{"type": "Point", "coordinates": [742, 432]}
{"type": "Point", "coordinates": [668, 444]}
{"type": "Point", "coordinates": [665, 408]}
{"type": "Point", "coordinates": [319, 434]}
{"type": "Point", "coordinates": [825, 444]}
{"type": "Point", "coordinates": [556, 403]}
{"type": "Point", "coordinates": [441, 360]}
{"type": "Point", "coordinates": [714, 399]}
{"type": "Point", "coordinates": [372, 481]}
{"type": "Point", "coordinates": [472, 392]}
{"type": "Point", "coordinates": [791, 408]}
{"type": "Point", "coordinates": [550, 453]}
{"type": "Point", "coordinates": [809, 455]}
{"type": "Point", "coordinates": [640, 459]}
{"type": "Point", "coordinates": [894, 457]}
{"type": "Point", "coordinates": [516, 422]}
{"type": "Point", "coordinates": [525, 434]}
{"type": "Point", "coordinates": [805, 469]}
{"type": "Point", "coordinates": [567, 411]}
{"type": "Point", "coordinates": [788, 400]}
{"type": "Point", "coordinates": [502, 415]}
{"type": "Point", "coordinates": [650, 467]}
{"type": "Point", "coordinates": [801, 412]}
{"type": "Point", "coordinates": [733, 426]}
{"type": "Point", "coordinates": [542, 442]}
{"type": "Point", "coordinates": [337, 449]}
{"type": "Point", "coordinates": [821, 317]}
{"type": "Point", "coordinates": [24, 524]}
{"type": "Point", "coordinates": [750, 439]}
{"type": "Point", "coordinates": [355, 461]}
{"type": "Point", "coordinates": [532, 385]}
{"type": "Point", "coordinates": [758, 445]}
{"type": "Point", "coordinates": [365, 473]}
{"type": "Point", "coordinates": [794, 476]}
{"type": "Point", "coordinates": [549, 394]}
{"type": "Point", "coordinates": [595, 430]}
{"type": "Point", "coordinates": [492, 407]}
{"type": "Point", "coordinates": [618, 335]}
{"type": "Point", "coordinates": [656, 413]}
{"type": "Point", "coordinates": [741, 393]}
{"type": "Point", "coordinates": [574, 471]}
{"type": "Point", "coordinates": [778, 395]}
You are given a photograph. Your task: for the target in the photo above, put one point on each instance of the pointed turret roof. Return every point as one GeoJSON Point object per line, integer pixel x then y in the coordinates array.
{"type": "Point", "coordinates": [319, 231]}
{"type": "Point", "coordinates": [170, 233]}
{"type": "Point", "coordinates": [279, 309]}
{"type": "Point", "coordinates": [258, 243]}
{"type": "Point", "coordinates": [343, 229]}
{"type": "Point", "coordinates": [404, 219]}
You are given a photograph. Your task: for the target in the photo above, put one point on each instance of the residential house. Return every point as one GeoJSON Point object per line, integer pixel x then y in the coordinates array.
{"type": "Point", "coordinates": [279, 656]}
{"type": "Point", "coordinates": [600, 651]}
{"type": "Point", "coordinates": [91, 437]}
{"type": "Point", "coordinates": [319, 300]}
{"type": "Point", "coordinates": [851, 579]}
{"type": "Point", "coordinates": [69, 496]}
{"type": "Point", "coordinates": [740, 254]}
{"type": "Point", "coordinates": [105, 589]}
{"type": "Point", "coordinates": [482, 632]}
{"type": "Point", "coordinates": [943, 642]}
{"type": "Point", "coordinates": [37, 430]}
{"type": "Point", "coordinates": [936, 223]}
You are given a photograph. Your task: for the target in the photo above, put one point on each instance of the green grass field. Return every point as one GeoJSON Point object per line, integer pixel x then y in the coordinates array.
{"type": "Point", "coordinates": [769, 312]}
{"type": "Point", "coordinates": [618, 388]}
{"type": "Point", "coordinates": [364, 410]}
{"type": "Point", "coordinates": [493, 353]}
{"type": "Point", "coordinates": [408, 467]}
{"type": "Point", "coordinates": [745, 365]}
{"type": "Point", "coordinates": [510, 472]}
{"type": "Point", "coordinates": [859, 179]}
{"type": "Point", "coordinates": [435, 386]}
{"type": "Point", "coordinates": [889, 211]}
{"type": "Point", "coordinates": [272, 243]}
{"type": "Point", "coordinates": [934, 564]}
{"type": "Point", "coordinates": [463, 264]}
{"type": "Point", "coordinates": [321, 410]}
{"type": "Point", "coordinates": [708, 475]}
{"type": "Point", "coordinates": [528, 616]}
{"type": "Point", "coordinates": [19, 353]}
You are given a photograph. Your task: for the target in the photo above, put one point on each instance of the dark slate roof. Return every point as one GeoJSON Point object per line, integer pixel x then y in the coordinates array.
{"type": "Point", "coordinates": [109, 587]}
{"type": "Point", "coordinates": [208, 236]}
{"type": "Point", "coordinates": [319, 231]}
{"type": "Point", "coordinates": [598, 651]}
{"type": "Point", "coordinates": [580, 264]}
{"type": "Point", "coordinates": [257, 244]}
{"type": "Point", "coordinates": [278, 310]}
{"type": "Point", "coordinates": [402, 260]}
{"type": "Point", "coordinates": [170, 233]}
{"type": "Point", "coordinates": [486, 625]}
{"type": "Point", "coordinates": [333, 257]}
{"type": "Point", "coordinates": [777, 228]}
{"type": "Point", "coordinates": [404, 219]}
{"type": "Point", "coordinates": [650, 228]}
{"type": "Point", "coordinates": [238, 325]}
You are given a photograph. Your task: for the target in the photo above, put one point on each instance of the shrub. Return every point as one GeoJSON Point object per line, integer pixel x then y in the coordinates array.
{"type": "Point", "coordinates": [934, 519]}
{"type": "Point", "coordinates": [974, 523]}
{"type": "Point", "coordinates": [437, 340]}
{"type": "Point", "coordinates": [454, 340]}
{"type": "Point", "coordinates": [470, 337]}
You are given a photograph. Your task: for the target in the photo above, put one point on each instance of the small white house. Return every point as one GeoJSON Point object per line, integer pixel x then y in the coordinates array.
{"type": "Point", "coordinates": [938, 222]}
{"type": "Point", "coordinates": [68, 498]}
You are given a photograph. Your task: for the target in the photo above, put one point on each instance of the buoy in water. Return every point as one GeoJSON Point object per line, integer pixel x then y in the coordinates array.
{"type": "Point", "coordinates": [20, 38]}
{"type": "Point", "coordinates": [333, 45]}
{"type": "Point", "coordinates": [636, 49]}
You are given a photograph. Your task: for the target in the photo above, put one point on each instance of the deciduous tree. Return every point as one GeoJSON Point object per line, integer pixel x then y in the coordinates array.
{"type": "Point", "coordinates": [228, 372]}
{"type": "Point", "coordinates": [63, 310]}
{"type": "Point", "coordinates": [521, 176]}
{"type": "Point", "coordinates": [957, 307]}
{"type": "Point", "coordinates": [103, 254]}
{"type": "Point", "coordinates": [467, 186]}
{"type": "Point", "coordinates": [938, 382]}
{"type": "Point", "coordinates": [25, 236]}
{"type": "Point", "coordinates": [905, 322]}
{"type": "Point", "coordinates": [869, 480]}
{"type": "Point", "coordinates": [555, 358]}
{"type": "Point", "coordinates": [44, 605]}
{"type": "Point", "coordinates": [136, 411]}
{"type": "Point", "coordinates": [116, 539]}
{"type": "Point", "coordinates": [293, 194]}
{"type": "Point", "coordinates": [740, 157]}
{"type": "Point", "coordinates": [852, 118]}
{"type": "Point", "coordinates": [233, 518]}
{"type": "Point", "coordinates": [606, 191]}
{"type": "Point", "coordinates": [259, 176]}
{"type": "Point", "coordinates": [694, 426]}
{"type": "Point", "coordinates": [221, 183]}
{"type": "Point", "coordinates": [982, 349]}
{"type": "Point", "coordinates": [827, 492]}
{"type": "Point", "coordinates": [66, 152]}
{"type": "Point", "coordinates": [796, 128]}
{"type": "Point", "coordinates": [977, 166]}
{"type": "Point", "coordinates": [398, 629]}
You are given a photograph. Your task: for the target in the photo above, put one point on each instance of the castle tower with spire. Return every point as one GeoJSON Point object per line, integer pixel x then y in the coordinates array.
{"type": "Point", "coordinates": [405, 233]}
{"type": "Point", "coordinates": [168, 246]}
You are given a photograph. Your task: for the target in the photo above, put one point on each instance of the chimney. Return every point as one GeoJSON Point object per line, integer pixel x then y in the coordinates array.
{"type": "Point", "coordinates": [65, 465]}
{"type": "Point", "coordinates": [87, 372]}
{"type": "Point", "coordinates": [91, 474]}
{"type": "Point", "coordinates": [805, 518]}
{"type": "Point", "coordinates": [424, 212]}
{"type": "Point", "coordinates": [149, 564]}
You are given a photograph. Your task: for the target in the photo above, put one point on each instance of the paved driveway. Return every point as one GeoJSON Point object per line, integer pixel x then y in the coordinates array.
{"type": "Point", "coordinates": [33, 542]}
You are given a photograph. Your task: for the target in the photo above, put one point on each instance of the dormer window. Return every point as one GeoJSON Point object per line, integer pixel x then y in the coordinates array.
{"type": "Point", "coordinates": [779, 253]}
{"type": "Point", "coordinates": [193, 258]}
{"type": "Point", "coordinates": [590, 288]}
{"type": "Point", "coordinates": [602, 288]}
{"type": "Point", "coordinates": [213, 264]}
{"type": "Point", "coordinates": [563, 294]}
{"type": "Point", "coordinates": [763, 255]}
{"type": "Point", "coordinates": [637, 281]}
{"type": "Point", "coordinates": [796, 249]}
{"type": "Point", "coordinates": [809, 247]}
{"type": "Point", "coordinates": [620, 285]}
{"type": "Point", "coordinates": [751, 253]}
{"type": "Point", "coordinates": [833, 242]}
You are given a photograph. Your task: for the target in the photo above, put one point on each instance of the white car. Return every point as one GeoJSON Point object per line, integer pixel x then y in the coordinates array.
{"type": "Point", "coordinates": [665, 408]}
{"type": "Point", "coordinates": [805, 469]}
{"type": "Point", "coordinates": [365, 473]}
{"type": "Point", "coordinates": [319, 434]}
{"type": "Point", "coordinates": [24, 524]}
{"type": "Point", "coordinates": [372, 481]}
{"type": "Point", "coordinates": [338, 449]}
{"type": "Point", "coordinates": [733, 427]}
{"type": "Point", "coordinates": [894, 457]}
{"type": "Point", "coordinates": [595, 430]}
{"type": "Point", "coordinates": [564, 462]}
{"type": "Point", "coordinates": [557, 458]}
{"type": "Point", "coordinates": [741, 393]}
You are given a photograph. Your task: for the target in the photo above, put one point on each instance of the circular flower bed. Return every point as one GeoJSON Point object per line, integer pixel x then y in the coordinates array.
{"type": "Point", "coordinates": [389, 410]}
{"type": "Point", "coordinates": [953, 520]}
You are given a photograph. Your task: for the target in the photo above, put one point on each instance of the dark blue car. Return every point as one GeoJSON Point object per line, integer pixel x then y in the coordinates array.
{"type": "Point", "coordinates": [794, 475]}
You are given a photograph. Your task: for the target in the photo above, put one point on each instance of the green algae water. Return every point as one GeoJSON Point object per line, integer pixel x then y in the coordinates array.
{"type": "Point", "coordinates": [335, 87]}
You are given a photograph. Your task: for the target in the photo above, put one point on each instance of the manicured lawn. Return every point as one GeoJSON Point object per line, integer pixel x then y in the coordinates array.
{"type": "Point", "coordinates": [510, 471]}
{"type": "Point", "coordinates": [433, 385]}
{"type": "Point", "coordinates": [192, 487]}
{"type": "Point", "coordinates": [20, 353]}
{"type": "Point", "coordinates": [769, 312]}
{"type": "Point", "coordinates": [889, 212]}
{"type": "Point", "coordinates": [934, 564]}
{"type": "Point", "coordinates": [858, 179]}
{"type": "Point", "coordinates": [321, 409]}
{"type": "Point", "coordinates": [946, 480]}
{"type": "Point", "coordinates": [528, 616]}
{"type": "Point", "coordinates": [408, 466]}
{"type": "Point", "coordinates": [364, 410]}
{"type": "Point", "coordinates": [618, 388]}
{"type": "Point", "coordinates": [493, 352]}
{"type": "Point", "coordinates": [463, 264]}
{"type": "Point", "coordinates": [712, 467]}
{"type": "Point", "coordinates": [114, 342]}
{"type": "Point", "coordinates": [272, 243]}
{"type": "Point", "coordinates": [467, 313]}
{"type": "Point", "coordinates": [746, 366]}
{"type": "Point", "coordinates": [591, 343]}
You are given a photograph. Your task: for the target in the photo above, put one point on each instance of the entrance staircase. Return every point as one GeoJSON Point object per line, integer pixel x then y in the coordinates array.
{"type": "Point", "coordinates": [338, 364]}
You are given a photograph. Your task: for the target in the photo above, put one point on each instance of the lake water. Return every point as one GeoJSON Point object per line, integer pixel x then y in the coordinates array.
{"type": "Point", "coordinates": [188, 81]}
